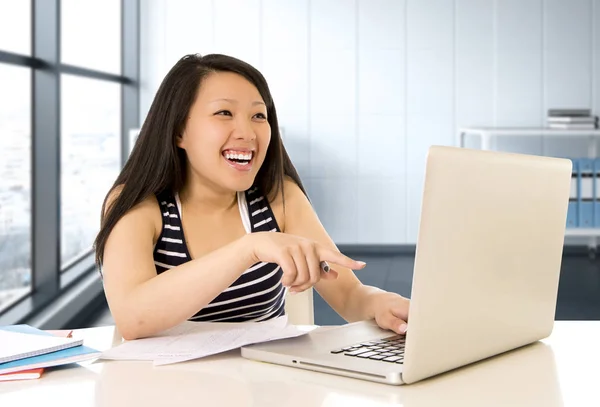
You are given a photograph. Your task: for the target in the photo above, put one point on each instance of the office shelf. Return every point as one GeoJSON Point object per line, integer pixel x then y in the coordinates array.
{"type": "Point", "coordinates": [585, 232]}
{"type": "Point", "coordinates": [486, 134]}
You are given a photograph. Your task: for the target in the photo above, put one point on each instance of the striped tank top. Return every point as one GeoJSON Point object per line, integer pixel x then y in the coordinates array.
{"type": "Point", "coordinates": [258, 294]}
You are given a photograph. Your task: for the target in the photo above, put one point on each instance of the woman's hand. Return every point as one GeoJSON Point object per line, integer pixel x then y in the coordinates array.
{"type": "Point", "coordinates": [391, 311]}
{"type": "Point", "coordinates": [299, 258]}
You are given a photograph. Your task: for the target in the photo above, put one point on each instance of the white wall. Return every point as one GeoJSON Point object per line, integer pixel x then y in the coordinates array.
{"type": "Point", "coordinates": [364, 87]}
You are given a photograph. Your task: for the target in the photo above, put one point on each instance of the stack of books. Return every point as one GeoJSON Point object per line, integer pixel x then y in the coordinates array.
{"type": "Point", "coordinates": [572, 119]}
{"type": "Point", "coordinates": [26, 351]}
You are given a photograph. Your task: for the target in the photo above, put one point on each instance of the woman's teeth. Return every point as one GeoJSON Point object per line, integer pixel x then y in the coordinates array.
{"type": "Point", "coordinates": [240, 160]}
{"type": "Point", "coordinates": [246, 156]}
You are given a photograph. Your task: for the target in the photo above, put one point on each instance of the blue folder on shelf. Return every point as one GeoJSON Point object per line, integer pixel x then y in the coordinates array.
{"type": "Point", "coordinates": [597, 192]}
{"type": "Point", "coordinates": [572, 213]}
{"type": "Point", "coordinates": [586, 192]}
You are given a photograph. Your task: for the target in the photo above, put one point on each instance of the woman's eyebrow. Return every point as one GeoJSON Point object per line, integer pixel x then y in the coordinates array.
{"type": "Point", "coordinates": [256, 102]}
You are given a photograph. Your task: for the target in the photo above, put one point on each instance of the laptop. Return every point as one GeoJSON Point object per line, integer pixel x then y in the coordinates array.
{"type": "Point", "coordinates": [485, 278]}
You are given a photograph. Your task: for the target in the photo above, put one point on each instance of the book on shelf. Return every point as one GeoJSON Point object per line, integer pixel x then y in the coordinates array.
{"type": "Point", "coordinates": [572, 119]}
{"type": "Point", "coordinates": [575, 119]}
{"type": "Point", "coordinates": [572, 126]}
{"type": "Point", "coordinates": [569, 112]}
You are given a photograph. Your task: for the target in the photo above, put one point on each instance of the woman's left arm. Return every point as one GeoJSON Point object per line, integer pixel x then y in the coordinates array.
{"type": "Point", "coordinates": [351, 299]}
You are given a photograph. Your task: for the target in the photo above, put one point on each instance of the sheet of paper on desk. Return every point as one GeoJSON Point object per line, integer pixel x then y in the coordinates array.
{"type": "Point", "coordinates": [193, 340]}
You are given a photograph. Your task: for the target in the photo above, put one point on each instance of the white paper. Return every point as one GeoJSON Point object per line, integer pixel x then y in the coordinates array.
{"type": "Point", "coordinates": [193, 340]}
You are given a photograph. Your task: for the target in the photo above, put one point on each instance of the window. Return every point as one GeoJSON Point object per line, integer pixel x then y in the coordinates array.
{"type": "Point", "coordinates": [69, 96]}
{"type": "Point", "coordinates": [15, 26]}
{"type": "Point", "coordinates": [15, 183]}
{"type": "Point", "coordinates": [91, 34]}
{"type": "Point", "coordinates": [90, 158]}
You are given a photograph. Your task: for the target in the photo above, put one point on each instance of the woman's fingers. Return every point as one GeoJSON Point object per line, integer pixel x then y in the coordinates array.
{"type": "Point", "coordinates": [314, 265]}
{"type": "Point", "coordinates": [305, 263]}
{"type": "Point", "coordinates": [331, 275]}
{"type": "Point", "coordinates": [315, 271]}
{"type": "Point", "coordinates": [389, 321]}
{"type": "Point", "coordinates": [333, 256]}
{"type": "Point", "coordinates": [288, 267]}
{"type": "Point", "coordinates": [302, 266]}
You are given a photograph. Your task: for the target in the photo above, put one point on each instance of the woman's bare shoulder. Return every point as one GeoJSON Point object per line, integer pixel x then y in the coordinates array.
{"type": "Point", "coordinates": [292, 197]}
{"type": "Point", "coordinates": [146, 211]}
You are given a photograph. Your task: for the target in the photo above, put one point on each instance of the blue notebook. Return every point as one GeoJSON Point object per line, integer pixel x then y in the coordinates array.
{"type": "Point", "coordinates": [74, 354]}
{"type": "Point", "coordinates": [23, 341]}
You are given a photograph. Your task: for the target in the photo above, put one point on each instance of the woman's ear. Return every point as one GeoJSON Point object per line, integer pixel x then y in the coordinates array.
{"type": "Point", "coordinates": [179, 141]}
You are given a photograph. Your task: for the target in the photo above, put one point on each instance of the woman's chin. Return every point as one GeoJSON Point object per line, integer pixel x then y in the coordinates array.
{"type": "Point", "coordinates": [239, 185]}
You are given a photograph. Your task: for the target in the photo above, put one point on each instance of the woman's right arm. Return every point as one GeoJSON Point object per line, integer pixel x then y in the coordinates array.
{"type": "Point", "coordinates": [143, 303]}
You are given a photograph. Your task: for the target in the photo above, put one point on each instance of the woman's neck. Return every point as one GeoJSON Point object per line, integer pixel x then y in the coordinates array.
{"type": "Point", "coordinates": [209, 199]}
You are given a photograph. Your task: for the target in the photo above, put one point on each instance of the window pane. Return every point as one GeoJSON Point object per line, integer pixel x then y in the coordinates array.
{"type": "Point", "coordinates": [90, 158]}
{"type": "Point", "coordinates": [91, 34]}
{"type": "Point", "coordinates": [15, 26]}
{"type": "Point", "coordinates": [15, 183]}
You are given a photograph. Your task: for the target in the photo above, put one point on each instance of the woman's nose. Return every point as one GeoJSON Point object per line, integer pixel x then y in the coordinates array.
{"type": "Point", "coordinates": [243, 130]}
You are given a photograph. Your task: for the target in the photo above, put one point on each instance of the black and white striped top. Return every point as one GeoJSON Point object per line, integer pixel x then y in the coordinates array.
{"type": "Point", "coordinates": [258, 294]}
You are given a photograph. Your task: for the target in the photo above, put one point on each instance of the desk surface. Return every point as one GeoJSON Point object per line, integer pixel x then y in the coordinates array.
{"type": "Point", "coordinates": [561, 370]}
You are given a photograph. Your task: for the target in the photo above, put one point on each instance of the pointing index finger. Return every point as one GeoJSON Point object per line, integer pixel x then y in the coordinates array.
{"type": "Point", "coordinates": [338, 258]}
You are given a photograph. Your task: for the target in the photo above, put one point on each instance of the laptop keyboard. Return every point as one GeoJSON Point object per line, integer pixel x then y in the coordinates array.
{"type": "Point", "coordinates": [390, 350]}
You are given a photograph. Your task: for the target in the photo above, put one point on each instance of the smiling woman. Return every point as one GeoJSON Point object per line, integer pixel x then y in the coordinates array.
{"type": "Point", "coordinates": [235, 127]}
{"type": "Point", "coordinates": [209, 220]}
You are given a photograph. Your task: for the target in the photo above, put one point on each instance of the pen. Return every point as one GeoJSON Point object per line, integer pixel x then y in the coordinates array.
{"type": "Point", "coordinates": [325, 267]}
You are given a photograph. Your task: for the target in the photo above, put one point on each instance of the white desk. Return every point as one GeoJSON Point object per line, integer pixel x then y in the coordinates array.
{"type": "Point", "coordinates": [561, 371]}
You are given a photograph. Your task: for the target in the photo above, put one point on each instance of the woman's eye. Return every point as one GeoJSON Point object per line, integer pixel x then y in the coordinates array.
{"type": "Point", "coordinates": [223, 113]}
{"type": "Point", "coordinates": [261, 116]}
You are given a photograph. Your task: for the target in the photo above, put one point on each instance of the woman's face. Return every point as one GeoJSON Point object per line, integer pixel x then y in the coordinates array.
{"type": "Point", "coordinates": [227, 134]}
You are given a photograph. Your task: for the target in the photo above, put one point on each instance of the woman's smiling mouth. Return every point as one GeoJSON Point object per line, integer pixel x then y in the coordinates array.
{"type": "Point", "coordinates": [240, 160]}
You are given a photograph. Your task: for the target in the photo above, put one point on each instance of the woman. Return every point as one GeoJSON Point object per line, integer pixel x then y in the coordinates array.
{"type": "Point", "coordinates": [209, 206]}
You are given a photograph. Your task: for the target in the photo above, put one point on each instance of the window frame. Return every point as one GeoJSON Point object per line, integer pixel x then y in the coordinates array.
{"type": "Point", "coordinates": [50, 283]}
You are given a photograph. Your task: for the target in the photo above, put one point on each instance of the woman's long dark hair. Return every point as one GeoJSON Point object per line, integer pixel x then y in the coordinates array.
{"type": "Point", "coordinates": [156, 163]}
